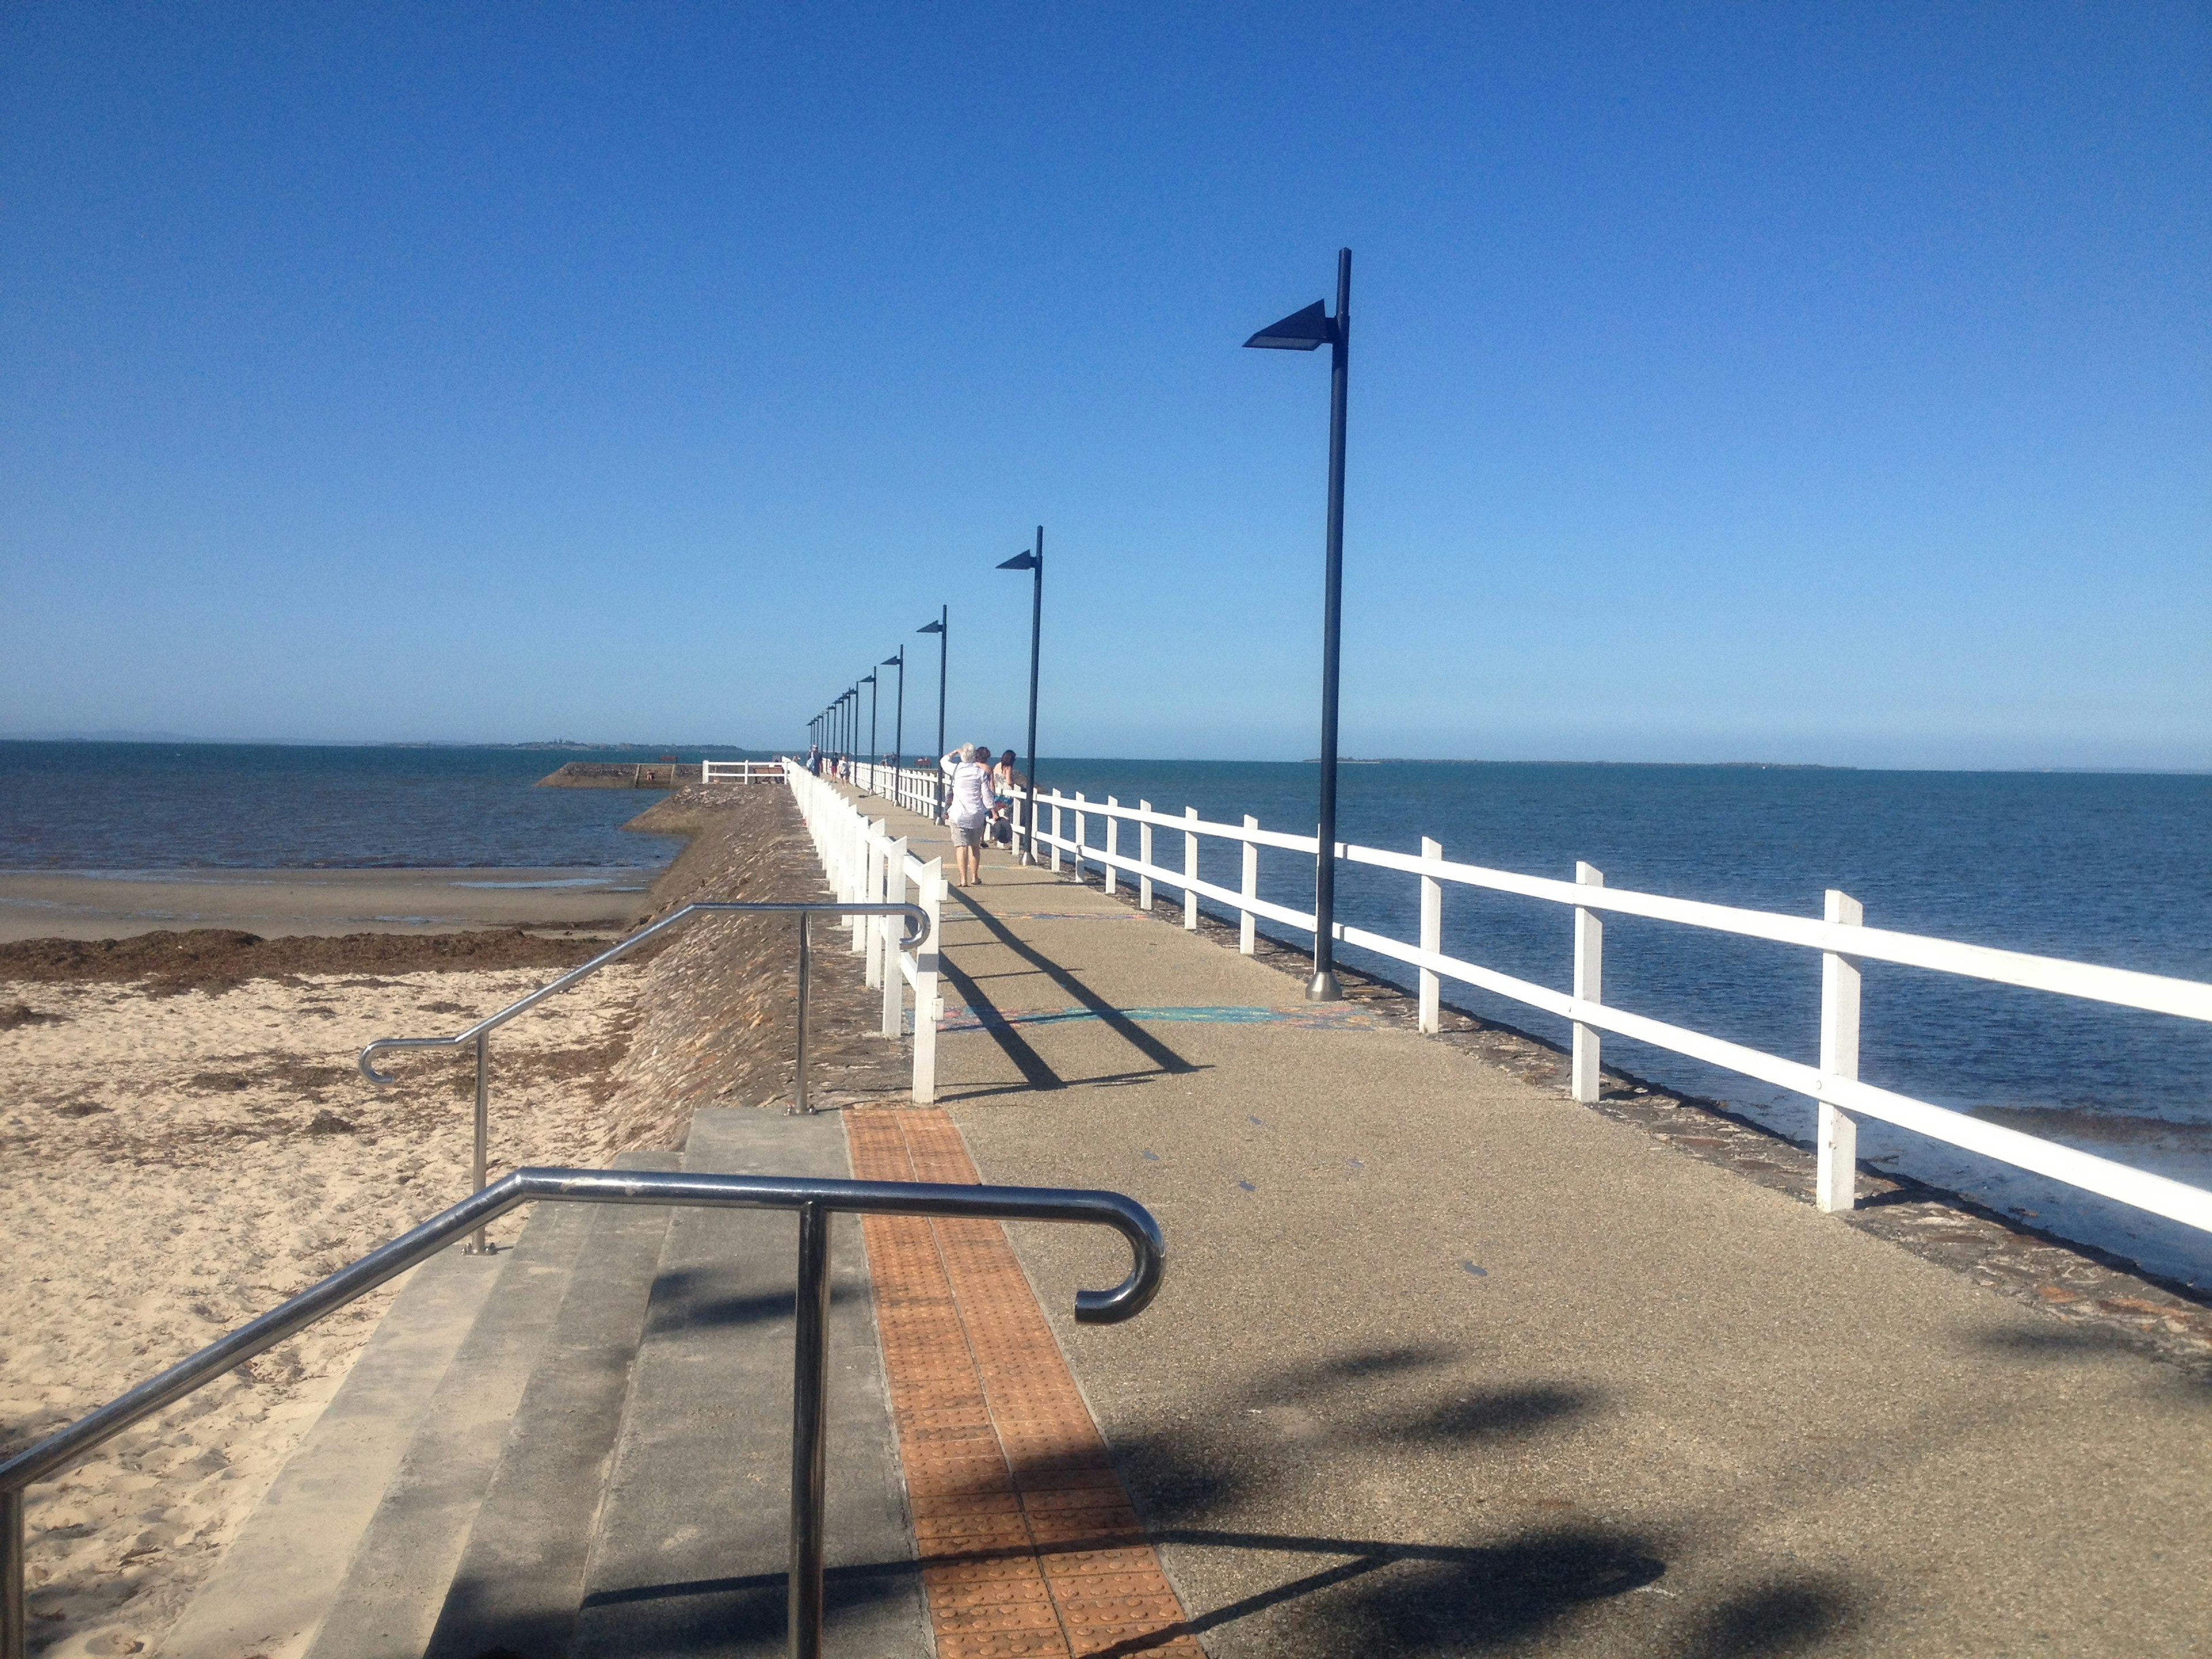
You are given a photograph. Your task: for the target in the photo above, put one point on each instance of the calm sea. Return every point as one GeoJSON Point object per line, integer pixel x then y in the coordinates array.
{"type": "Point", "coordinates": [2098, 867]}
{"type": "Point", "coordinates": [121, 807]}
{"type": "Point", "coordinates": [2103, 868]}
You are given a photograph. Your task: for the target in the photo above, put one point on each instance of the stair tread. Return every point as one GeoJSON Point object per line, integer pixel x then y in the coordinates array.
{"type": "Point", "coordinates": [406, 1556]}
{"type": "Point", "coordinates": [521, 1574]}
{"type": "Point", "coordinates": [693, 1546]}
{"type": "Point", "coordinates": [280, 1576]}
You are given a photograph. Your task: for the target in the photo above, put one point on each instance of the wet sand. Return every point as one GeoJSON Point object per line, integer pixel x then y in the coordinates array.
{"type": "Point", "coordinates": [278, 903]}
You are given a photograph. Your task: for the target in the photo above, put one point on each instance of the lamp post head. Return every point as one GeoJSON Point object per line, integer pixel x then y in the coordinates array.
{"type": "Point", "coordinates": [899, 661]}
{"type": "Point", "coordinates": [869, 679]}
{"type": "Point", "coordinates": [931, 628]}
{"type": "Point", "coordinates": [1302, 330]}
{"type": "Point", "coordinates": [1022, 560]}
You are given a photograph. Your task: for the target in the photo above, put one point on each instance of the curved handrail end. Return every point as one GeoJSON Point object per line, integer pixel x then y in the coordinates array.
{"type": "Point", "coordinates": [1149, 1249]}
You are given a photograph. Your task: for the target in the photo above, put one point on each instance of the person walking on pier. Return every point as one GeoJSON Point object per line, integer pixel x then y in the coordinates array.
{"type": "Point", "coordinates": [1004, 780]}
{"type": "Point", "coordinates": [969, 812]}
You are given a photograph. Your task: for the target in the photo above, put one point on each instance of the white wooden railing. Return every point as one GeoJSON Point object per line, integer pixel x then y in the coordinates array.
{"type": "Point", "coordinates": [865, 864]}
{"type": "Point", "coordinates": [740, 771]}
{"type": "Point", "coordinates": [919, 792]}
{"type": "Point", "coordinates": [1839, 935]}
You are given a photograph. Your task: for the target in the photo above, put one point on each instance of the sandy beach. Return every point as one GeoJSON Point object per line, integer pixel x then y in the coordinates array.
{"type": "Point", "coordinates": [180, 1157]}
{"type": "Point", "coordinates": [184, 1142]}
{"type": "Point", "coordinates": [69, 904]}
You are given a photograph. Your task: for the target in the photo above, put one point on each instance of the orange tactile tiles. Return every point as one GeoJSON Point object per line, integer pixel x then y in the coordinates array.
{"type": "Point", "coordinates": [1029, 1544]}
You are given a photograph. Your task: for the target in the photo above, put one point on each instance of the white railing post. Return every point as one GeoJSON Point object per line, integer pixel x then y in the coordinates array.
{"type": "Point", "coordinates": [1190, 872]}
{"type": "Point", "coordinates": [1248, 924]}
{"type": "Point", "coordinates": [856, 842]}
{"type": "Point", "coordinates": [1836, 1181]}
{"type": "Point", "coordinates": [1055, 832]}
{"type": "Point", "coordinates": [1589, 985]}
{"type": "Point", "coordinates": [1432, 938]}
{"type": "Point", "coordinates": [1079, 843]}
{"type": "Point", "coordinates": [924, 987]}
{"type": "Point", "coordinates": [894, 929]}
{"type": "Point", "coordinates": [1113, 841]}
{"type": "Point", "coordinates": [1144, 858]}
{"type": "Point", "coordinates": [873, 928]}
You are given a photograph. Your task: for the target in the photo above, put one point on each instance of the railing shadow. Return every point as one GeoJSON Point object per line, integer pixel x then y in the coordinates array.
{"type": "Point", "coordinates": [1134, 1035]}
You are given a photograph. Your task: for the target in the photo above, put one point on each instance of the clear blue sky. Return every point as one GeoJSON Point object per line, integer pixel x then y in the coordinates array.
{"type": "Point", "coordinates": [1752, 382]}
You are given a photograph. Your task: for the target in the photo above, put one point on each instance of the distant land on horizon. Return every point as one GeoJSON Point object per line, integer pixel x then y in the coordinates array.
{"type": "Point", "coordinates": [570, 745]}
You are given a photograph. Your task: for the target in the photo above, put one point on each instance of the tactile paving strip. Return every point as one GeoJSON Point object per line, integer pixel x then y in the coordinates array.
{"type": "Point", "coordinates": [1029, 1544]}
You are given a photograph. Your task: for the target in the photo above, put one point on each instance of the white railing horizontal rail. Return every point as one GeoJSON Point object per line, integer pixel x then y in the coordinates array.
{"type": "Point", "coordinates": [1844, 944]}
{"type": "Point", "coordinates": [921, 792]}
{"type": "Point", "coordinates": [740, 771]}
{"type": "Point", "coordinates": [2123, 986]}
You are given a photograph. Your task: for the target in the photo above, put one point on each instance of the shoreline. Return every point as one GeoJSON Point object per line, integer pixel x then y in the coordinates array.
{"type": "Point", "coordinates": [279, 904]}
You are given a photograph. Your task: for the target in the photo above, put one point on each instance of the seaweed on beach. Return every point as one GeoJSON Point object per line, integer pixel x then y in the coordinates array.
{"type": "Point", "coordinates": [217, 958]}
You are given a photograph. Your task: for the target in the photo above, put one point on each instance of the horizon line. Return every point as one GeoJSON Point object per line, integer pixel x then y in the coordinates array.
{"type": "Point", "coordinates": [160, 739]}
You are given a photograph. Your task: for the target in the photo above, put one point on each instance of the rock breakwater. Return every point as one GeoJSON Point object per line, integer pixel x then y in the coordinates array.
{"type": "Point", "coordinates": [718, 1026]}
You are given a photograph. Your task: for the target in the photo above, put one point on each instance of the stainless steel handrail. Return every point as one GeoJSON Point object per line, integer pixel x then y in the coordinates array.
{"type": "Point", "coordinates": [480, 1033]}
{"type": "Point", "coordinates": [815, 1201]}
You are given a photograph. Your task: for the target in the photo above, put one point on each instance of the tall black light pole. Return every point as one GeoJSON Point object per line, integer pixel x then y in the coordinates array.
{"type": "Point", "coordinates": [939, 629]}
{"type": "Point", "coordinates": [898, 719]}
{"type": "Point", "coordinates": [1033, 562]}
{"type": "Point", "coordinates": [1303, 330]}
{"type": "Point", "coordinates": [871, 683]}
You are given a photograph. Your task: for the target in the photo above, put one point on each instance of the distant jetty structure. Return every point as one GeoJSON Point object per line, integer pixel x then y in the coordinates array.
{"type": "Point", "coordinates": [667, 773]}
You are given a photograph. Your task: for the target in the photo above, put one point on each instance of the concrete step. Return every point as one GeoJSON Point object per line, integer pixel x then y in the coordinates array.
{"type": "Point", "coordinates": [577, 1274]}
{"type": "Point", "coordinates": [692, 1546]}
{"type": "Point", "coordinates": [281, 1575]}
{"type": "Point", "coordinates": [521, 1578]}
{"type": "Point", "coordinates": [397, 1578]}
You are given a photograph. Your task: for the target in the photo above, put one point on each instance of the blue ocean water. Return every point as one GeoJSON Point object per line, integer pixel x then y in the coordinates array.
{"type": "Point", "coordinates": [177, 805]}
{"type": "Point", "coordinates": [2095, 867]}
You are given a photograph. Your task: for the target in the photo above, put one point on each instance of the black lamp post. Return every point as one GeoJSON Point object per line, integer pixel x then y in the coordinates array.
{"type": "Point", "coordinates": [1033, 562]}
{"type": "Point", "coordinates": [898, 719]}
{"type": "Point", "coordinates": [938, 627]}
{"type": "Point", "coordinates": [870, 682]}
{"type": "Point", "coordinates": [1303, 330]}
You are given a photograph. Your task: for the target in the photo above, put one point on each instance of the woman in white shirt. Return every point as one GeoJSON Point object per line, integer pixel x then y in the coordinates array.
{"type": "Point", "coordinates": [969, 812]}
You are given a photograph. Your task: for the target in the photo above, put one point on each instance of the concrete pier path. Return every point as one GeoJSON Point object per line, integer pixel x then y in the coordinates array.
{"type": "Point", "coordinates": [1448, 1364]}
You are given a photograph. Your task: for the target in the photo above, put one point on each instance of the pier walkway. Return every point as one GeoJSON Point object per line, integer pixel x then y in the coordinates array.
{"type": "Point", "coordinates": [1448, 1364]}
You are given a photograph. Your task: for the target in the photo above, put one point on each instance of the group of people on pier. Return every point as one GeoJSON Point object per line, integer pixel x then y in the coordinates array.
{"type": "Point", "coordinates": [977, 806]}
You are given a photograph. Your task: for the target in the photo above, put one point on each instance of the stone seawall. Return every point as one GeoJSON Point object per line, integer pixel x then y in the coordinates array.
{"type": "Point", "coordinates": [620, 774]}
{"type": "Point", "coordinates": [718, 1026]}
